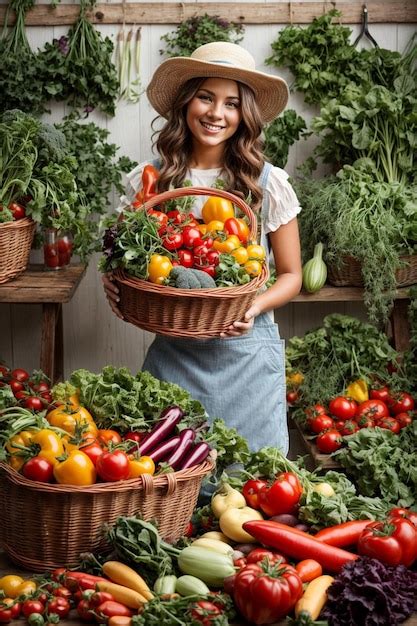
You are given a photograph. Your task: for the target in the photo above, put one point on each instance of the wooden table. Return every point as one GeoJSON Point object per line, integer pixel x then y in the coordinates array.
{"type": "Point", "coordinates": [399, 320]}
{"type": "Point", "coordinates": [51, 289]}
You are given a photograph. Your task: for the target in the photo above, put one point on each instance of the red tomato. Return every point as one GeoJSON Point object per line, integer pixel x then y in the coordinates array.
{"type": "Point", "coordinates": [364, 421]}
{"type": "Point", "coordinates": [38, 468]}
{"type": "Point", "coordinates": [135, 437]}
{"type": "Point", "coordinates": [315, 410]}
{"type": "Point", "coordinates": [172, 240]}
{"type": "Point", "coordinates": [40, 386]}
{"type": "Point", "coordinates": [186, 258]}
{"type": "Point", "coordinates": [319, 423]}
{"type": "Point", "coordinates": [16, 386]}
{"type": "Point", "coordinates": [381, 393]}
{"type": "Point", "coordinates": [105, 436]}
{"type": "Point", "coordinates": [17, 210]}
{"type": "Point", "coordinates": [192, 237]}
{"type": "Point", "coordinates": [389, 423]}
{"type": "Point", "coordinates": [58, 605]}
{"type": "Point", "coordinates": [259, 554]}
{"type": "Point", "coordinates": [93, 450]}
{"type": "Point", "coordinates": [85, 613]}
{"type": "Point", "coordinates": [251, 490]}
{"type": "Point", "coordinates": [213, 257]}
{"type": "Point", "coordinates": [9, 610]}
{"type": "Point", "coordinates": [33, 403]}
{"type": "Point", "coordinates": [404, 419]}
{"type": "Point", "coordinates": [349, 427]}
{"type": "Point", "coordinates": [113, 466]}
{"type": "Point", "coordinates": [205, 612]}
{"type": "Point", "coordinates": [20, 375]}
{"type": "Point", "coordinates": [32, 606]}
{"type": "Point", "coordinates": [329, 441]}
{"type": "Point", "coordinates": [343, 408]}
{"type": "Point", "coordinates": [292, 396]}
{"type": "Point", "coordinates": [282, 496]}
{"type": "Point", "coordinates": [401, 402]}
{"type": "Point", "coordinates": [375, 409]}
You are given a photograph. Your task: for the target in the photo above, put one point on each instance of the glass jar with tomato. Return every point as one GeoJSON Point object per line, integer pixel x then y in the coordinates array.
{"type": "Point", "coordinates": [57, 248]}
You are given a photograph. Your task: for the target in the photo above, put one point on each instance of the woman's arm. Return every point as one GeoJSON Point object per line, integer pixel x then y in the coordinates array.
{"type": "Point", "coordinates": [285, 244]}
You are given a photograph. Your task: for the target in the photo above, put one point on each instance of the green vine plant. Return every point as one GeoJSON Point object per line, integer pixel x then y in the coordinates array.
{"type": "Point", "coordinates": [196, 31]}
{"type": "Point", "coordinates": [280, 135]}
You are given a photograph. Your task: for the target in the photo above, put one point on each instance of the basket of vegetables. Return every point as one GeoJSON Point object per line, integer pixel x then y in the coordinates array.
{"type": "Point", "coordinates": [16, 237]}
{"type": "Point", "coordinates": [181, 277]}
{"type": "Point", "coordinates": [59, 492]}
{"type": "Point", "coordinates": [348, 272]}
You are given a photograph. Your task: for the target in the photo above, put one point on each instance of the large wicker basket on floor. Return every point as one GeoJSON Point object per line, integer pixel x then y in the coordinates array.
{"type": "Point", "coordinates": [44, 526]}
{"type": "Point", "coordinates": [200, 313]}
{"type": "Point", "coordinates": [349, 274]}
{"type": "Point", "coordinates": [15, 243]}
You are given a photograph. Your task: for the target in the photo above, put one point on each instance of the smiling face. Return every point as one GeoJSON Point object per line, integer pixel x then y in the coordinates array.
{"type": "Point", "coordinates": [214, 113]}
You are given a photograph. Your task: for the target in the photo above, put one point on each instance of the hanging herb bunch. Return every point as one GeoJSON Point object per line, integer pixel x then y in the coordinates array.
{"type": "Point", "coordinates": [128, 53]}
{"type": "Point", "coordinates": [21, 84]}
{"type": "Point", "coordinates": [196, 31]}
{"type": "Point", "coordinates": [79, 67]}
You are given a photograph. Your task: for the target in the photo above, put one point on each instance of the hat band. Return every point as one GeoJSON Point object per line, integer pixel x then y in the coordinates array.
{"type": "Point", "coordinates": [224, 62]}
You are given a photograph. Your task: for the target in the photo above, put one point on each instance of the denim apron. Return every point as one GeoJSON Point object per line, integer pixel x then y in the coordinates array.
{"type": "Point", "coordinates": [239, 379]}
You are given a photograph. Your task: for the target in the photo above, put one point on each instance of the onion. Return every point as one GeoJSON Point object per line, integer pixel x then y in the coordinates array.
{"type": "Point", "coordinates": [245, 548]}
{"type": "Point", "coordinates": [302, 527]}
{"type": "Point", "coordinates": [286, 518]}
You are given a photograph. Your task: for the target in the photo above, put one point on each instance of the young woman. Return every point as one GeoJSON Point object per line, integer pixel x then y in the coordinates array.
{"type": "Point", "coordinates": [215, 104]}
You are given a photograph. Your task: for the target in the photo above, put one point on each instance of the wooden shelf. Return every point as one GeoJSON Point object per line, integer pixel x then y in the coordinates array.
{"type": "Point", "coordinates": [141, 13]}
{"type": "Point", "coordinates": [342, 294]}
{"type": "Point", "coordinates": [324, 461]}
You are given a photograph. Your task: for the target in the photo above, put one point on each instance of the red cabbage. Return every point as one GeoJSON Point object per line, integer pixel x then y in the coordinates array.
{"type": "Point", "coordinates": [369, 593]}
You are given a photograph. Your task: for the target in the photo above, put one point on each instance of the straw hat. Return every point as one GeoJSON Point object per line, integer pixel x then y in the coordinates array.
{"type": "Point", "coordinates": [217, 60]}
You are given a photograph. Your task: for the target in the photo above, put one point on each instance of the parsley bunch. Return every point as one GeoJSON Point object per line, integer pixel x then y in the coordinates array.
{"type": "Point", "coordinates": [199, 30]}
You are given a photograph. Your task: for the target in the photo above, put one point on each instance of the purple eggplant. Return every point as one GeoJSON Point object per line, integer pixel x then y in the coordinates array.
{"type": "Point", "coordinates": [196, 456]}
{"type": "Point", "coordinates": [168, 419]}
{"type": "Point", "coordinates": [187, 437]}
{"type": "Point", "coordinates": [164, 449]}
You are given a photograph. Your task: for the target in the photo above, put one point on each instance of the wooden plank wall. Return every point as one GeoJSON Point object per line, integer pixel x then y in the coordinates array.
{"type": "Point", "coordinates": [94, 337]}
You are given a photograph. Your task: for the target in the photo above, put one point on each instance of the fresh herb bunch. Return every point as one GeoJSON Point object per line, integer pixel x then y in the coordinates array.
{"type": "Point", "coordinates": [383, 464]}
{"type": "Point", "coordinates": [330, 357]}
{"type": "Point", "coordinates": [280, 135]}
{"type": "Point", "coordinates": [21, 69]}
{"type": "Point", "coordinates": [408, 371]}
{"type": "Point", "coordinates": [356, 214]}
{"type": "Point", "coordinates": [130, 242]}
{"type": "Point", "coordinates": [79, 68]}
{"type": "Point", "coordinates": [324, 62]}
{"type": "Point", "coordinates": [99, 168]}
{"type": "Point", "coordinates": [179, 611]}
{"type": "Point", "coordinates": [196, 31]}
{"type": "Point", "coordinates": [229, 272]}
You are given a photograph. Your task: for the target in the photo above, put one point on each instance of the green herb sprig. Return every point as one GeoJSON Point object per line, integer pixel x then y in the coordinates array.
{"type": "Point", "coordinates": [280, 135]}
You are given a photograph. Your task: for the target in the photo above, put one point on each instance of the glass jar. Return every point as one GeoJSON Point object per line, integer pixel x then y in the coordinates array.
{"type": "Point", "coordinates": [57, 248]}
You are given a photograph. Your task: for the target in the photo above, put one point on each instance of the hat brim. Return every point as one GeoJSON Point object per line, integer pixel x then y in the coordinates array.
{"type": "Point", "coordinates": [271, 92]}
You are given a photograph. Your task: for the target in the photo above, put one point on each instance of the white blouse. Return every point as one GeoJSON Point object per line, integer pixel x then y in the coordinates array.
{"type": "Point", "coordinates": [283, 204]}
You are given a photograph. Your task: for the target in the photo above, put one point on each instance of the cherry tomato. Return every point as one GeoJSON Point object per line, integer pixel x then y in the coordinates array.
{"type": "Point", "coordinates": [135, 437]}
{"type": "Point", "coordinates": [315, 410]}
{"type": "Point", "coordinates": [205, 612]}
{"type": "Point", "coordinates": [20, 375]}
{"type": "Point", "coordinates": [17, 210]}
{"type": "Point", "coordinates": [16, 386]}
{"type": "Point", "coordinates": [32, 606]}
{"type": "Point", "coordinates": [34, 403]}
{"type": "Point", "coordinates": [58, 605]}
{"type": "Point", "coordinates": [292, 396]}
{"type": "Point", "coordinates": [113, 466]}
{"type": "Point", "coordinates": [85, 613]}
{"type": "Point", "coordinates": [105, 436]}
{"type": "Point", "coordinates": [192, 237]}
{"type": "Point", "coordinates": [38, 468]}
{"type": "Point", "coordinates": [329, 441]}
{"type": "Point", "coordinates": [186, 258]}
{"type": "Point", "coordinates": [343, 408]}
{"type": "Point", "coordinates": [172, 240]}
{"type": "Point", "coordinates": [308, 570]}
{"type": "Point", "coordinates": [9, 610]}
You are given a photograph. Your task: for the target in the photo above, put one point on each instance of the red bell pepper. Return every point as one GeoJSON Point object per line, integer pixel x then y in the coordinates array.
{"type": "Point", "coordinates": [297, 544]}
{"type": "Point", "coordinates": [149, 177]}
{"type": "Point", "coordinates": [265, 592]}
{"type": "Point", "coordinates": [394, 542]}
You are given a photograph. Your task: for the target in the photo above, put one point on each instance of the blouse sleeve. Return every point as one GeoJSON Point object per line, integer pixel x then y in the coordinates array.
{"type": "Point", "coordinates": [283, 203]}
{"type": "Point", "coordinates": [133, 185]}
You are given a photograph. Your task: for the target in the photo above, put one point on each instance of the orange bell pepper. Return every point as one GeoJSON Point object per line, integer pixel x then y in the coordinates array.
{"type": "Point", "coordinates": [70, 419]}
{"type": "Point", "coordinates": [216, 208]}
{"type": "Point", "coordinates": [76, 469]}
{"type": "Point", "coordinates": [227, 245]}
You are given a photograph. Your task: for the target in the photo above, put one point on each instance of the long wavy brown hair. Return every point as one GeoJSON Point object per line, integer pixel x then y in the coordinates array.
{"type": "Point", "coordinates": [243, 158]}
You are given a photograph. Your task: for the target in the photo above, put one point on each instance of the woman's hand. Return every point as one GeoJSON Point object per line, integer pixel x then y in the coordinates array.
{"type": "Point", "coordinates": [243, 326]}
{"type": "Point", "coordinates": [112, 293]}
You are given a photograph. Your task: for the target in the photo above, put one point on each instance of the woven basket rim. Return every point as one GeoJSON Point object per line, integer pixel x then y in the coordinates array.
{"type": "Point", "coordinates": [25, 221]}
{"type": "Point", "coordinates": [132, 484]}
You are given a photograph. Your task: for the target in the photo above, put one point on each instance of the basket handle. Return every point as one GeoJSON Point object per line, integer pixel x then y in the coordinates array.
{"type": "Point", "coordinates": [206, 191]}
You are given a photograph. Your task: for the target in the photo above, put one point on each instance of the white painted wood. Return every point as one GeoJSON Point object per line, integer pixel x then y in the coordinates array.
{"type": "Point", "coordinates": [94, 337]}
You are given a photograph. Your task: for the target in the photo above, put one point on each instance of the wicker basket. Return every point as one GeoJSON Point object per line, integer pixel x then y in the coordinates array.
{"type": "Point", "coordinates": [199, 313]}
{"type": "Point", "coordinates": [15, 243]}
{"type": "Point", "coordinates": [44, 526]}
{"type": "Point", "coordinates": [349, 273]}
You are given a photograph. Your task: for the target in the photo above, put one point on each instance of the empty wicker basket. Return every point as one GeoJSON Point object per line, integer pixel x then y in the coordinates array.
{"type": "Point", "coordinates": [200, 313]}
{"type": "Point", "coordinates": [44, 526]}
{"type": "Point", "coordinates": [15, 243]}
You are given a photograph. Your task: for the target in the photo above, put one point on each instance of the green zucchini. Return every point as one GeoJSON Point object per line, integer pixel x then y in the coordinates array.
{"type": "Point", "coordinates": [191, 585]}
{"type": "Point", "coordinates": [207, 565]}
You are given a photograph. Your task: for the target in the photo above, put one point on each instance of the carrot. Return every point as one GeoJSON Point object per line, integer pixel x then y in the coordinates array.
{"type": "Point", "coordinates": [119, 620]}
{"type": "Point", "coordinates": [122, 594]}
{"type": "Point", "coordinates": [298, 545]}
{"type": "Point", "coordinates": [125, 575]}
{"type": "Point", "coordinates": [314, 598]}
{"type": "Point", "coordinates": [342, 535]}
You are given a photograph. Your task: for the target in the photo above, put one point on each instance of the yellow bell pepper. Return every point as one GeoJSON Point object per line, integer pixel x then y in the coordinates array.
{"type": "Point", "coordinates": [216, 208]}
{"type": "Point", "coordinates": [15, 449]}
{"type": "Point", "coordinates": [358, 390]}
{"type": "Point", "coordinates": [71, 419]}
{"type": "Point", "coordinates": [240, 254]}
{"type": "Point", "coordinates": [214, 226]}
{"type": "Point", "coordinates": [76, 469]}
{"type": "Point", "coordinates": [227, 245]}
{"type": "Point", "coordinates": [50, 445]}
{"type": "Point", "coordinates": [141, 465]}
{"type": "Point", "coordinates": [159, 268]}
